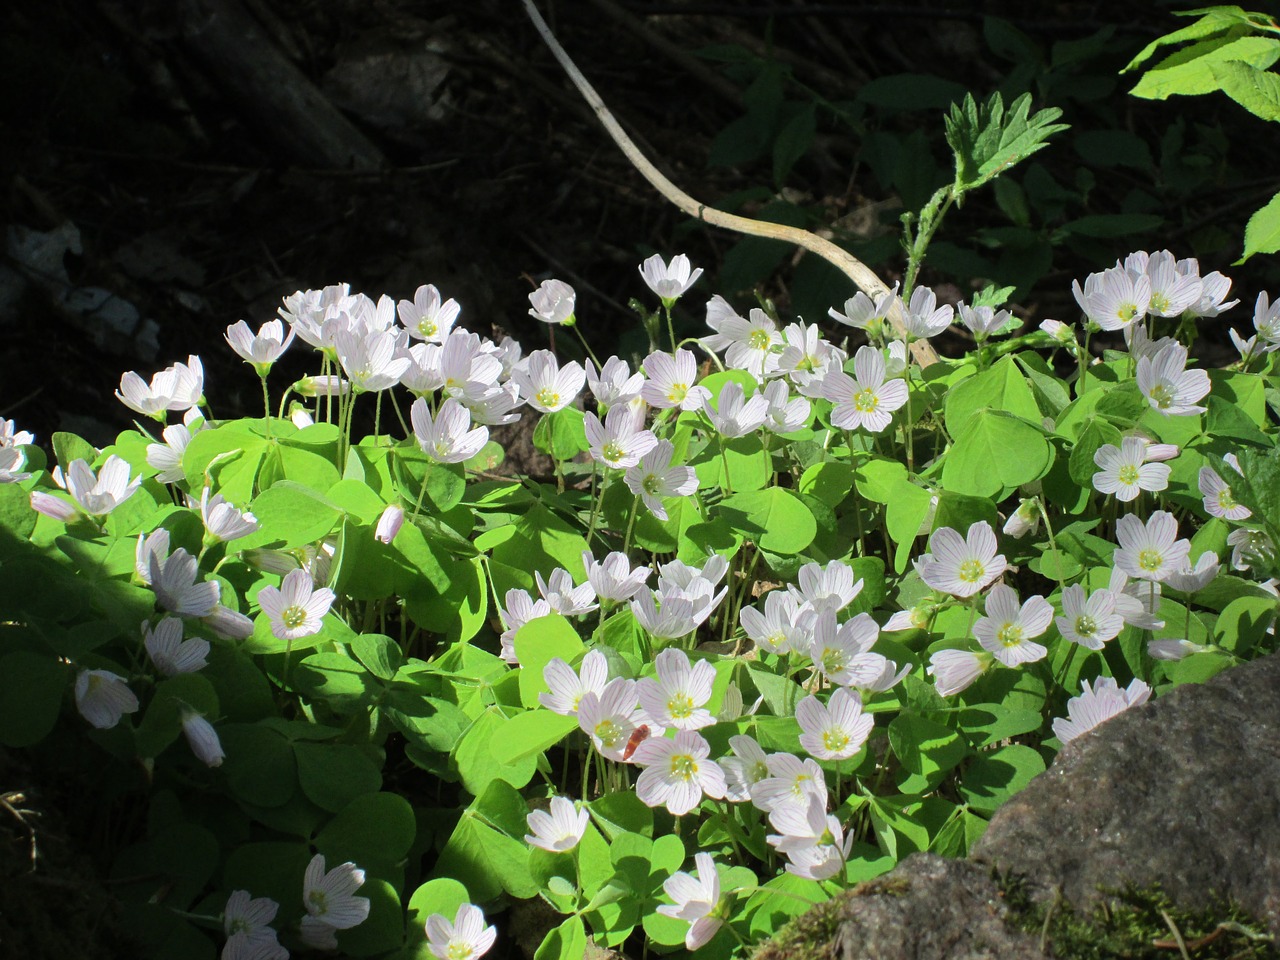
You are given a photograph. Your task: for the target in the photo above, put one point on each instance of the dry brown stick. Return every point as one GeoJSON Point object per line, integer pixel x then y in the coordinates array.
{"type": "Point", "coordinates": [863, 276]}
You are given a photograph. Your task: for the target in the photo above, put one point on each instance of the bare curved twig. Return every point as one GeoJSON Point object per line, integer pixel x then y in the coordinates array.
{"type": "Point", "coordinates": [862, 275]}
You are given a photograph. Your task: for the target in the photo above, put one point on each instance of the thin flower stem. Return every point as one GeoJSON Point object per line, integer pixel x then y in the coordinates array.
{"type": "Point", "coordinates": [400, 416]}
{"type": "Point", "coordinates": [626, 540]}
{"type": "Point", "coordinates": [586, 346]}
{"type": "Point", "coordinates": [1053, 544]}
{"type": "Point", "coordinates": [671, 329]}
{"type": "Point", "coordinates": [595, 510]}
{"type": "Point", "coordinates": [266, 406]}
{"type": "Point", "coordinates": [377, 417]}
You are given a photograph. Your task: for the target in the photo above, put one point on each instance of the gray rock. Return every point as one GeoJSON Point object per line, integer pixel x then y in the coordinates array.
{"type": "Point", "coordinates": [1183, 791]}
{"type": "Point", "coordinates": [927, 908]}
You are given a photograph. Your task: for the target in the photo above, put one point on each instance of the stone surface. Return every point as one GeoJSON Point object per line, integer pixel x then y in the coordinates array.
{"type": "Point", "coordinates": [928, 907]}
{"type": "Point", "coordinates": [1183, 791]}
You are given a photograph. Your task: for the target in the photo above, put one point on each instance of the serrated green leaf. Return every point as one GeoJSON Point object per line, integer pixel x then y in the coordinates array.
{"type": "Point", "coordinates": [987, 140]}
{"type": "Point", "coordinates": [1262, 232]}
{"type": "Point", "coordinates": [1193, 71]}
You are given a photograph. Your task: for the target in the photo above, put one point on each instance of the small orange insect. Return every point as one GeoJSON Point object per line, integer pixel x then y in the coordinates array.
{"type": "Point", "coordinates": [638, 736]}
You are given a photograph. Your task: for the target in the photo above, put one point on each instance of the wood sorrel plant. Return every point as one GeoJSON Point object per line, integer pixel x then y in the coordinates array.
{"type": "Point", "coordinates": [345, 674]}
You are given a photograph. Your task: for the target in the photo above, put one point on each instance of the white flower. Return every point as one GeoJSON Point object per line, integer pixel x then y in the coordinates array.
{"type": "Point", "coordinates": [545, 385]}
{"type": "Point", "coordinates": [178, 387]}
{"type": "Point", "coordinates": [1173, 290]}
{"type": "Point", "coordinates": [621, 440]}
{"type": "Point", "coordinates": [924, 318]}
{"type": "Point", "coordinates": [202, 738]}
{"type": "Point", "coordinates": [677, 773]}
{"type": "Point", "coordinates": [1266, 320]}
{"type": "Point", "coordinates": [783, 625]}
{"type": "Point", "coordinates": [466, 368]}
{"type": "Point", "coordinates": [173, 578]}
{"type": "Point", "coordinates": [295, 608]}
{"type": "Point", "coordinates": [449, 437]}
{"type": "Point", "coordinates": [12, 460]}
{"type": "Point", "coordinates": [836, 730]}
{"type": "Point", "coordinates": [222, 520]}
{"type": "Point", "coordinates": [669, 281]}
{"type": "Point", "coordinates": [865, 400]}
{"type": "Point", "coordinates": [170, 653]}
{"type": "Point", "coordinates": [747, 767]}
{"type": "Point", "coordinates": [246, 923]}
{"type": "Point", "coordinates": [678, 697]}
{"type": "Point", "coordinates": [812, 839]}
{"type": "Point", "coordinates": [1089, 622]}
{"type": "Point", "coordinates": [1218, 500]}
{"type": "Point", "coordinates": [1214, 288]}
{"type": "Point", "coordinates": [553, 302]}
{"type": "Point", "coordinates": [863, 313]}
{"type": "Point", "coordinates": [1125, 471]}
{"type": "Point", "coordinates": [958, 566]}
{"type": "Point", "coordinates": [520, 609]}
{"type": "Point", "coordinates": [389, 523]}
{"type": "Point", "coordinates": [227, 623]}
{"type": "Point", "coordinates": [736, 416]}
{"type": "Point", "coordinates": [167, 457]}
{"type": "Point", "coordinates": [830, 587]}
{"type": "Point", "coordinates": [749, 345]}
{"type": "Point", "coordinates": [843, 654]}
{"type": "Point", "coordinates": [51, 506]}
{"type": "Point", "coordinates": [1114, 299]}
{"type": "Point", "coordinates": [983, 321]}
{"type": "Point", "coordinates": [11, 436]}
{"type": "Point", "coordinates": [566, 688]}
{"type": "Point", "coordinates": [103, 697]}
{"type": "Point", "coordinates": [263, 349]}
{"type": "Point", "coordinates": [667, 616]}
{"type": "Point", "coordinates": [464, 939]}
{"type": "Point", "coordinates": [1024, 520]}
{"type": "Point", "coordinates": [609, 718]}
{"type": "Point", "coordinates": [331, 385]}
{"type": "Point", "coordinates": [695, 900]}
{"type": "Point", "coordinates": [670, 381]}
{"type": "Point", "coordinates": [1248, 547]}
{"type": "Point", "coordinates": [612, 578]}
{"type": "Point", "coordinates": [1168, 386]}
{"type": "Point", "coordinates": [1174, 649]}
{"type": "Point", "coordinates": [330, 901]}
{"type": "Point", "coordinates": [1062, 333]}
{"type": "Point", "coordinates": [426, 316]}
{"type": "Point", "coordinates": [790, 780]}
{"type": "Point", "coordinates": [807, 358]}
{"type": "Point", "coordinates": [654, 478]}
{"type": "Point", "coordinates": [785, 413]}
{"type": "Point", "coordinates": [1191, 579]}
{"type": "Point", "coordinates": [1151, 550]}
{"type": "Point", "coordinates": [560, 830]}
{"type": "Point", "coordinates": [615, 384]}
{"type": "Point", "coordinates": [493, 406]}
{"type": "Point", "coordinates": [372, 361]}
{"type": "Point", "coordinates": [1007, 629]}
{"type": "Point", "coordinates": [954, 670]}
{"type": "Point", "coordinates": [563, 597]}
{"type": "Point", "coordinates": [1097, 705]}
{"type": "Point", "coordinates": [1136, 602]}
{"type": "Point", "coordinates": [99, 494]}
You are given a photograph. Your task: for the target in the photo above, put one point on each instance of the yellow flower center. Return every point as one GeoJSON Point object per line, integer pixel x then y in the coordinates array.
{"type": "Point", "coordinates": [427, 327]}
{"type": "Point", "coordinates": [833, 661]}
{"type": "Point", "coordinates": [293, 617]}
{"type": "Point", "coordinates": [608, 733]}
{"type": "Point", "coordinates": [612, 452]}
{"type": "Point", "coordinates": [548, 397]}
{"type": "Point", "coordinates": [1160, 396]}
{"type": "Point", "coordinates": [1225, 500]}
{"type": "Point", "coordinates": [1128, 474]}
{"type": "Point", "coordinates": [1086, 626]}
{"type": "Point", "coordinates": [680, 706]}
{"type": "Point", "coordinates": [652, 484]}
{"type": "Point", "coordinates": [759, 340]}
{"type": "Point", "coordinates": [1010, 635]}
{"type": "Point", "coordinates": [1127, 311]}
{"type": "Point", "coordinates": [1150, 560]}
{"type": "Point", "coordinates": [865, 400]}
{"type": "Point", "coordinates": [684, 766]}
{"type": "Point", "coordinates": [971, 571]}
{"type": "Point", "coordinates": [678, 392]}
{"type": "Point", "coordinates": [835, 740]}
{"type": "Point", "coordinates": [1159, 303]}
{"type": "Point", "coordinates": [458, 950]}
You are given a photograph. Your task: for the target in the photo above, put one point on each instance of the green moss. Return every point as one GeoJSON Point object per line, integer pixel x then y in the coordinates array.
{"type": "Point", "coordinates": [1140, 924]}
{"type": "Point", "coordinates": [807, 937]}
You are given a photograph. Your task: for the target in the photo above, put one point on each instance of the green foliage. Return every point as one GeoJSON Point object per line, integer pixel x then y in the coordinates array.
{"type": "Point", "coordinates": [987, 141]}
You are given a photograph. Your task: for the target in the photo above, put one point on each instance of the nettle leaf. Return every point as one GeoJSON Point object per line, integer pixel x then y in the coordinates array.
{"type": "Point", "coordinates": [1262, 232]}
{"type": "Point", "coordinates": [1194, 70]}
{"type": "Point", "coordinates": [1215, 21]}
{"type": "Point", "coordinates": [987, 141]}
